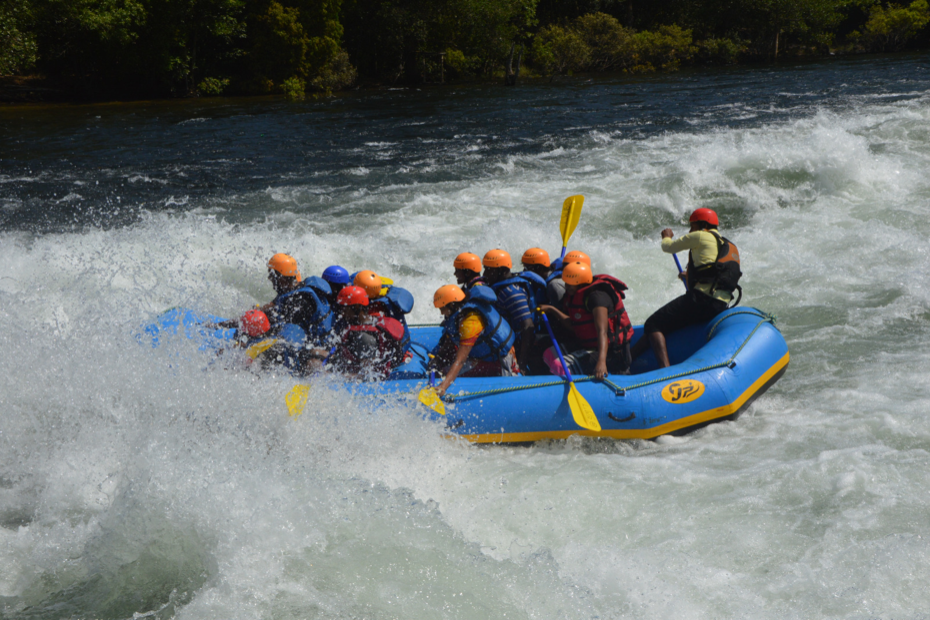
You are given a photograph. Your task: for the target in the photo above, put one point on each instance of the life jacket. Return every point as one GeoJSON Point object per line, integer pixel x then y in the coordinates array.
{"type": "Point", "coordinates": [394, 304]}
{"type": "Point", "coordinates": [619, 328]}
{"type": "Point", "coordinates": [554, 275]}
{"type": "Point", "coordinates": [532, 284]}
{"type": "Point", "coordinates": [723, 274]}
{"type": "Point", "coordinates": [497, 338]}
{"type": "Point", "coordinates": [473, 283]}
{"type": "Point", "coordinates": [284, 348]}
{"type": "Point", "coordinates": [391, 346]}
{"type": "Point", "coordinates": [318, 289]}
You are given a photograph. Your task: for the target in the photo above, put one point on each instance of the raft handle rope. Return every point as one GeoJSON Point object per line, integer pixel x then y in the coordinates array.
{"type": "Point", "coordinates": [621, 391]}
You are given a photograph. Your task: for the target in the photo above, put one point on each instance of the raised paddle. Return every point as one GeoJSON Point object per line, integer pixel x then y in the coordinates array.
{"type": "Point", "coordinates": [680, 270]}
{"type": "Point", "coordinates": [571, 212]}
{"type": "Point", "coordinates": [581, 410]}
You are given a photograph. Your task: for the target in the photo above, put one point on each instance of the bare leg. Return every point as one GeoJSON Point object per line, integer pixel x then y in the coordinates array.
{"type": "Point", "coordinates": [640, 347]}
{"type": "Point", "coordinates": [657, 340]}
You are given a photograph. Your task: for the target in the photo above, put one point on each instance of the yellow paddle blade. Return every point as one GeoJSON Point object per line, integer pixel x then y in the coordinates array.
{"type": "Point", "coordinates": [571, 212]}
{"type": "Point", "coordinates": [387, 282]}
{"type": "Point", "coordinates": [297, 399]}
{"type": "Point", "coordinates": [581, 410]}
{"type": "Point", "coordinates": [430, 398]}
{"type": "Point", "coordinates": [260, 347]}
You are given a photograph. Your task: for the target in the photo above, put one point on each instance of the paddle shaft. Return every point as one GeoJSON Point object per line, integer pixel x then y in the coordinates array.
{"type": "Point", "coordinates": [568, 375]}
{"type": "Point", "coordinates": [680, 270]}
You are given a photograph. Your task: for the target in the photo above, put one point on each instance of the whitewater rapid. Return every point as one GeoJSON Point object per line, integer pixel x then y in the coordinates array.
{"type": "Point", "coordinates": [140, 481]}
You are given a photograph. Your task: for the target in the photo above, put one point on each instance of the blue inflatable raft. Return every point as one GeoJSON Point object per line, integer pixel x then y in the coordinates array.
{"type": "Point", "coordinates": [717, 371]}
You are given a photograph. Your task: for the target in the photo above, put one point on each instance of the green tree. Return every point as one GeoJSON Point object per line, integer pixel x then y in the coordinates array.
{"type": "Point", "coordinates": [610, 44]}
{"type": "Point", "coordinates": [17, 39]}
{"type": "Point", "coordinates": [891, 28]}
{"type": "Point", "coordinates": [559, 50]}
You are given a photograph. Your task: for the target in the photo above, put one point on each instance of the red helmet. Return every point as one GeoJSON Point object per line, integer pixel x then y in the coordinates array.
{"type": "Point", "coordinates": [704, 215]}
{"type": "Point", "coordinates": [352, 296]}
{"type": "Point", "coordinates": [254, 323]}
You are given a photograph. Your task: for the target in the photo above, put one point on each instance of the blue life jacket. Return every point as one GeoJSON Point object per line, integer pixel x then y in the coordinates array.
{"type": "Point", "coordinates": [552, 276]}
{"type": "Point", "coordinates": [396, 303]}
{"type": "Point", "coordinates": [285, 347]}
{"type": "Point", "coordinates": [531, 283]}
{"type": "Point", "coordinates": [497, 338]}
{"type": "Point", "coordinates": [319, 290]}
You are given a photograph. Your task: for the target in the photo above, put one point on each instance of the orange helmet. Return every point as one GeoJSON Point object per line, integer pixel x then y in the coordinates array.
{"type": "Point", "coordinates": [577, 256]}
{"type": "Point", "coordinates": [369, 281]}
{"type": "Point", "coordinates": [576, 274]}
{"type": "Point", "coordinates": [446, 295]}
{"type": "Point", "coordinates": [352, 296]}
{"type": "Point", "coordinates": [497, 258]}
{"type": "Point", "coordinates": [469, 261]}
{"type": "Point", "coordinates": [285, 265]}
{"type": "Point", "coordinates": [535, 256]}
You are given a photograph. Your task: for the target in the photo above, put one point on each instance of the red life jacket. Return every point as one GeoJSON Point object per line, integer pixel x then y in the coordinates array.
{"type": "Point", "coordinates": [619, 328]}
{"type": "Point", "coordinates": [390, 336]}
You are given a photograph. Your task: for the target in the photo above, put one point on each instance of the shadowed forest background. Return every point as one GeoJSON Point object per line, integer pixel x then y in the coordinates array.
{"type": "Point", "coordinates": [155, 48]}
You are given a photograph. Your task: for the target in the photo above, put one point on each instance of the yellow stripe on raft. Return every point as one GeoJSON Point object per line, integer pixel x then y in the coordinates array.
{"type": "Point", "coordinates": [642, 433]}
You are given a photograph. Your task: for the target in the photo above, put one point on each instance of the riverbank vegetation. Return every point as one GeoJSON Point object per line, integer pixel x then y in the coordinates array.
{"type": "Point", "coordinates": [150, 48]}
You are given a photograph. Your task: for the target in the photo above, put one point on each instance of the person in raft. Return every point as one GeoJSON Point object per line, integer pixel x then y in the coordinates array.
{"type": "Point", "coordinates": [476, 340]}
{"type": "Point", "coordinates": [593, 310]}
{"type": "Point", "coordinates": [555, 285]}
{"type": "Point", "coordinates": [386, 299]}
{"type": "Point", "coordinates": [516, 299]}
{"type": "Point", "coordinates": [298, 302]}
{"type": "Point", "coordinates": [467, 270]}
{"type": "Point", "coordinates": [338, 278]}
{"type": "Point", "coordinates": [264, 350]}
{"type": "Point", "coordinates": [368, 346]}
{"type": "Point", "coordinates": [712, 277]}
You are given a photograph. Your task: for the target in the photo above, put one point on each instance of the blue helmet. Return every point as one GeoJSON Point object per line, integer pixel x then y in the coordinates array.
{"type": "Point", "coordinates": [336, 275]}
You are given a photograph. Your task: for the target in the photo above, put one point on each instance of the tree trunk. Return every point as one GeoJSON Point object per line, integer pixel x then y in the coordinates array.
{"type": "Point", "coordinates": [777, 32]}
{"type": "Point", "coordinates": [510, 79]}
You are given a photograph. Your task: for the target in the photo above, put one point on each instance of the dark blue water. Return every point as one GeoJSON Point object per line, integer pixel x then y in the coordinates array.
{"type": "Point", "coordinates": [66, 166]}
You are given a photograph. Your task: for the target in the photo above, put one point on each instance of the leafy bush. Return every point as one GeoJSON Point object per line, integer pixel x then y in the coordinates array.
{"type": "Point", "coordinates": [17, 41]}
{"type": "Point", "coordinates": [212, 87]}
{"type": "Point", "coordinates": [560, 50]}
{"type": "Point", "coordinates": [294, 88]}
{"type": "Point", "coordinates": [663, 49]}
{"type": "Point", "coordinates": [610, 45]}
{"type": "Point", "coordinates": [719, 51]}
{"type": "Point", "coordinates": [890, 29]}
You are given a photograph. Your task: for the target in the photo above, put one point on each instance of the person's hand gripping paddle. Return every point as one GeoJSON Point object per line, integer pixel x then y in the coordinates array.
{"type": "Point", "coordinates": [581, 410]}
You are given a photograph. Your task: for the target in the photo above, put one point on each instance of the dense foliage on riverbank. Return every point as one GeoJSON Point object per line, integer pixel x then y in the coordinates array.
{"type": "Point", "coordinates": [298, 47]}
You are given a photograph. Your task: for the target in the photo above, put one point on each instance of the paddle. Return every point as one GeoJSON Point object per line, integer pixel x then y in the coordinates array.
{"type": "Point", "coordinates": [680, 270]}
{"type": "Point", "coordinates": [430, 398]}
{"type": "Point", "coordinates": [571, 212]}
{"type": "Point", "coordinates": [297, 398]}
{"type": "Point", "coordinates": [428, 395]}
{"type": "Point", "coordinates": [581, 410]}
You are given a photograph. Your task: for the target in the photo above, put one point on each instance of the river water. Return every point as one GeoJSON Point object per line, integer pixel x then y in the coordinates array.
{"type": "Point", "coordinates": [147, 483]}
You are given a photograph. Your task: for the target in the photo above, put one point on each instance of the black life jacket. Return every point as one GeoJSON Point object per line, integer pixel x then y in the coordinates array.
{"type": "Point", "coordinates": [723, 274]}
{"type": "Point", "coordinates": [619, 328]}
